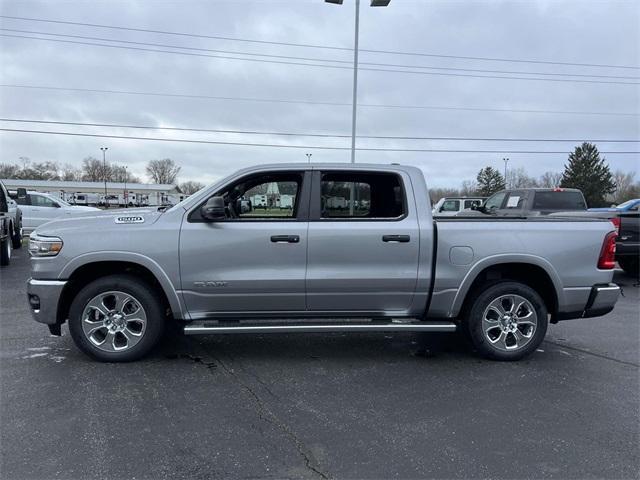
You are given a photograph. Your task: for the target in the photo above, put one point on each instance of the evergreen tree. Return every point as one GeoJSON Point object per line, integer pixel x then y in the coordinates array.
{"type": "Point", "coordinates": [489, 181]}
{"type": "Point", "coordinates": [589, 173]}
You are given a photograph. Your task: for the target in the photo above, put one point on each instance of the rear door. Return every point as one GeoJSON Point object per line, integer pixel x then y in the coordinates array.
{"type": "Point", "coordinates": [363, 253]}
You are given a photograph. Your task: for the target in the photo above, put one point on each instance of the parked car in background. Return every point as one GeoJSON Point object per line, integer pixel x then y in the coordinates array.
{"type": "Point", "coordinates": [632, 205]}
{"type": "Point", "coordinates": [531, 201]}
{"type": "Point", "coordinates": [38, 208]}
{"type": "Point", "coordinates": [5, 228]}
{"type": "Point", "coordinates": [218, 267]}
{"type": "Point", "coordinates": [449, 206]}
{"type": "Point", "coordinates": [15, 218]}
{"type": "Point", "coordinates": [628, 243]}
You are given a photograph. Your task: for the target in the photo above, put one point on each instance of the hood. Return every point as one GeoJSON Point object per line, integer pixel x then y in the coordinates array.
{"type": "Point", "coordinates": [96, 221]}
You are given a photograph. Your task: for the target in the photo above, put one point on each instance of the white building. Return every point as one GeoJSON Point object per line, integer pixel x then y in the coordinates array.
{"type": "Point", "coordinates": [154, 194]}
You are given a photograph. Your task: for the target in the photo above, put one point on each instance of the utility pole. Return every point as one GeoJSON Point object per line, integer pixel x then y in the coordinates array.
{"type": "Point", "coordinates": [505, 160]}
{"type": "Point", "coordinates": [308, 157]}
{"type": "Point", "coordinates": [104, 173]}
{"type": "Point", "coordinates": [126, 194]}
{"type": "Point", "coordinates": [354, 107]}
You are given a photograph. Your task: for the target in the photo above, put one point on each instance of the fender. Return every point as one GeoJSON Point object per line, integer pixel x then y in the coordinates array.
{"type": "Point", "coordinates": [177, 307]}
{"type": "Point", "coordinates": [493, 260]}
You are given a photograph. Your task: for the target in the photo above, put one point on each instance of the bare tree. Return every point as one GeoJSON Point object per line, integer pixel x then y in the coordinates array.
{"type": "Point", "coordinates": [624, 186]}
{"type": "Point", "coordinates": [190, 187]}
{"type": "Point", "coordinates": [93, 170]}
{"type": "Point", "coordinates": [70, 173]}
{"type": "Point", "coordinates": [163, 171]}
{"type": "Point", "coordinates": [120, 174]}
{"type": "Point", "coordinates": [9, 170]}
{"type": "Point", "coordinates": [469, 188]}
{"type": "Point", "coordinates": [518, 178]}
{"type": "Point", "coordinates": [550, 179]}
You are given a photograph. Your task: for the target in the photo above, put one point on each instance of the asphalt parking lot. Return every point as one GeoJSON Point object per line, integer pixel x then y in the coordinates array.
{"type": "Point", "coordinates": [320, 405]}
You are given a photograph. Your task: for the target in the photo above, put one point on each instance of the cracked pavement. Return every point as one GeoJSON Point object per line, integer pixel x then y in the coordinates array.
{"type": "Point", "coordinates": [319, 406]}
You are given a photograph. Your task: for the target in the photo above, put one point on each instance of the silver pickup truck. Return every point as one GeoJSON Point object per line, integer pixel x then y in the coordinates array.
{"type": "Point", "coordinates": [316, 248]}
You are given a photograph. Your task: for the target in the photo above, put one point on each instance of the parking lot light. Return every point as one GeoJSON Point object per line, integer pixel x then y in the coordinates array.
{"type": "Point", "coordinates": [374, 3]}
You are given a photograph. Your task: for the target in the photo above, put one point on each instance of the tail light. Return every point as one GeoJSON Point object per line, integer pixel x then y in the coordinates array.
{"type": "Point", "coordinates": [607, 260]}
{"type": "Point", "coordinates": [616, 224]}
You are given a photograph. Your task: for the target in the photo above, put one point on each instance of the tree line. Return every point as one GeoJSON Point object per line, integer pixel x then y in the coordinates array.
{"type": "Point", "coordinates": [585, 170]}
{"type": "Point", "coordinates": [164, 171]}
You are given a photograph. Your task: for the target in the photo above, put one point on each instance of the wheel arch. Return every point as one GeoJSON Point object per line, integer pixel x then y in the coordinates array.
{"type": "Point", "coordinates": [532, 271]}
{"type": "Point", "coordinates": [85, 269]}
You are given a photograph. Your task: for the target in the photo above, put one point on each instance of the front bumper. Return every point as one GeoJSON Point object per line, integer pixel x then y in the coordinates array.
{"type": "Point", "coordinates": [601, 301]}
{"type": "Point", "coordinates": [43, 297]}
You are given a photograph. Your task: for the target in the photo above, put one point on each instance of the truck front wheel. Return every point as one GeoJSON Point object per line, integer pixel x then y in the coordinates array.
{"type": "Point", "coordinates": [118, 318]}
{"type": "Point", "coordinates": [507, 321]}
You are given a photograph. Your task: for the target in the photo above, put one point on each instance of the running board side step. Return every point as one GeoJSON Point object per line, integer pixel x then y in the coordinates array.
{"type": "Point", "coordinates": [307, 327]}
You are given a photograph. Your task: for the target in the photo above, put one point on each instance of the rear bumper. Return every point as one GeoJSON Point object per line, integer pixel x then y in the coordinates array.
{"type": "Point", "coordinates": [43, 297]}
{"type": "Point", "coordinates": [601, 301]}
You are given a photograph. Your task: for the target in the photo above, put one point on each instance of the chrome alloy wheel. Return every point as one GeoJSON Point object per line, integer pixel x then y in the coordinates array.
{"type": "Point", "coordinates": [509, 322]}
{"type": "Point", "coordinates": [114, 321]}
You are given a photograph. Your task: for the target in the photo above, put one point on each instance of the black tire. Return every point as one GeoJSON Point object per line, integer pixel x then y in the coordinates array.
{"type": "Point", "coordinates": [16, 235]}
{"type": "Point", "coordinates": [629, 265]}
{"type": "Point", "coordinates": [5, 251]}
{"type": "Point", "coordinates": [482, 338]}
{"type": "Point", "coordinates": [148, 298]}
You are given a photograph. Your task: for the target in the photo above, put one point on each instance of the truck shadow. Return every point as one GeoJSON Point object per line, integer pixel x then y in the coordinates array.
{"type": "Point", "coordinates": [267, 348]}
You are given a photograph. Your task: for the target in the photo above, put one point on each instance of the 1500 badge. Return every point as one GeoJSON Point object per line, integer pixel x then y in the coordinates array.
{"type": "Point", "coordinates": [209, 283]}
{"type": "Point", "coordinates": [131, 219]}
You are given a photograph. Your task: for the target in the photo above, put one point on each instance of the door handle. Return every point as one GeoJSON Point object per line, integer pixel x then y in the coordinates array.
{"type": "Point", "coordinates": [396, 238]}
{"type": "Point", "coordinates": [285, 238]}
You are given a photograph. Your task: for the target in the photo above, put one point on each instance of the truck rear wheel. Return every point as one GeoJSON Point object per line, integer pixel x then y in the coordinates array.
{"type": "Point", "coordinates": [5, 251]}
{"type": "Point", "coordinates": [507, 321]}
{"type": "Point", "coordinates": [16, 235]}
{"type": "Point", "coordinates": [118, 318]}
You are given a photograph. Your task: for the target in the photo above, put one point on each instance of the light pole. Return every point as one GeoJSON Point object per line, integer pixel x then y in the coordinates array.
{"type": "Point", "coordinates": [308, 157]}
{"type": "Point", "coordinates": [374, 3]}
{"type": "Point", "coordinates": [126, 194]}
{"type": "Point", "coordinates": [104, 173]}
{"type": "Point", "coordinates": [505, 160]}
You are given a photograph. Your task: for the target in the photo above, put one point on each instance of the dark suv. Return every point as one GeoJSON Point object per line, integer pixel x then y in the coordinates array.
{"type": "Point", "coordinates": [531, 201]}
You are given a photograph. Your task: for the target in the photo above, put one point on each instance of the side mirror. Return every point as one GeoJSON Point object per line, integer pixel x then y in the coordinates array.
{"type": "Point", "coordinates": [474, 206]}
{"type": "Point", "coordinates": [22, 193]}
{"type": "Point", "coordinates": [213, 209]}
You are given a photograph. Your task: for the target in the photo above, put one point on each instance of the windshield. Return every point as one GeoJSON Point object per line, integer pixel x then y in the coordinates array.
{"type": "Point", "coordinates": [626, 204]}
{"type": "Point", "coordinates": [495, 201]}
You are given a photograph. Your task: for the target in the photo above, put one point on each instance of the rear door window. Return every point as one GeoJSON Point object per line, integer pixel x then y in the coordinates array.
{"type": "Point", "coordinates": [361, 195]}
{"type": "Point", "coordinates": [450, 206]}
{"type": "Point", "coordinates": [515, 201]}
{"type": "Point", "coordinates": [559, 201]}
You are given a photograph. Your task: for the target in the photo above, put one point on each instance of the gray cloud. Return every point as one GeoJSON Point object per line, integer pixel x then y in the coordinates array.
{"type": "Point", "coordinates": [574, 31]}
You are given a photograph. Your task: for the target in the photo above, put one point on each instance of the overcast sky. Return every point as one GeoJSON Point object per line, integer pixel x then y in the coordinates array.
{"type": "Point", "coordinates": [587, 32]}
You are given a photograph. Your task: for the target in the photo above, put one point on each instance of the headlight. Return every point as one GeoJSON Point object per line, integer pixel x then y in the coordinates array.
{"type": "Point", "coordinates": [44, 246]}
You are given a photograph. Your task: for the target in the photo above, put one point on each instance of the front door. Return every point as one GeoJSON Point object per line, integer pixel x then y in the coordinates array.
{"type": "Point", "coordinates": [38, 209]}
{"type": "Point", "coordinates": [363, 243]}
{"type": "Point", "coordinates": [254, 260]}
